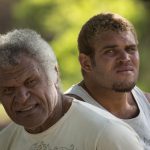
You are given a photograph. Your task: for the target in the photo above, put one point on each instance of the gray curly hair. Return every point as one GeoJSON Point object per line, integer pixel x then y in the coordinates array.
{"type": "Point", "coordinates": [27, 41]}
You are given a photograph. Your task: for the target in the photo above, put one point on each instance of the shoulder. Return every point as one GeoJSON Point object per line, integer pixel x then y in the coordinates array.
{"type": "Point", "coordinates": [72, 92]}
{"type": "Point", "coordinates": [116, 136]}
{"type": "Point", "coordinates": [147, 96]}
{"type": "Point", "coordinates": [98, 115]}
{"type": "Point", "coordinates": [9, 131]}
{"type": "Point", "coordinates": [75, 91]}
{"type": "Point", "coordinates": [92, 114]}
{"type": "Point", "coordinates": [5, 134]}
{"type": "Point", "coordinates": [8, 135]}
{"type": "Point", "coordinates": [72, 89]}
{"type": "Point", "coordinates": [75, 96]}
{"type": "Point", "coordinates": [141, 93]}
{"type": "Point", "coordinates": [109, 132]}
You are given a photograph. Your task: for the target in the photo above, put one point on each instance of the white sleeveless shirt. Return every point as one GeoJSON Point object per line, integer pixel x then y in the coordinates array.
{"type": "Point", "coordinates": [141, 123]}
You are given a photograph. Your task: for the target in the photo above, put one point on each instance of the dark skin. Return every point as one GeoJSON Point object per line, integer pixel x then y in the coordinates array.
{"type": "Point", "coordinates": [110, 79]}
{"type": "Point", "coordinates": [25, 94]}
{"type": "Point", "coordinates": [114, 108]}
{"type": "Point", "coordinates": [123, 107]}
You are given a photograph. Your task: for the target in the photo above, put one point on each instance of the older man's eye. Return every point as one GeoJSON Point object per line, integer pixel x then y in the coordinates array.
{"type": "Point", "coordinates": [8, 91]}
{"type": "Point", "coordinates": [31, 83]}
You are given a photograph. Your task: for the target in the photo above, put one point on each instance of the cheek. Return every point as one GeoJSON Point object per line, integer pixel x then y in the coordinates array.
{"type": "Point", "coordinates": [136, 60]}
{"type": "Point", "coordinates": [6, 103]}
{"type": "Point", "coordinates": [106, 66]}
{"type": "Point", "coordinates": [47, 98]}
{"type": "Point", "coordinates": [8, 108]}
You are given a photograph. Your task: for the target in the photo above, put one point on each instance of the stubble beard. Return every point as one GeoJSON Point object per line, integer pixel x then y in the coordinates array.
{"type": "Point", "coordinates": [123, 86]}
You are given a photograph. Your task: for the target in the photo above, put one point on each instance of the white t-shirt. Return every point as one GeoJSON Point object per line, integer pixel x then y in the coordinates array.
{"type": "Point", "coordinates": [83, 127]}
{"type": "Point", "coordinates": [141, 123]}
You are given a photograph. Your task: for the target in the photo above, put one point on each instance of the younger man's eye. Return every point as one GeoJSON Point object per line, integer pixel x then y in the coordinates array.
{"type": "Point", "coordinates": [131, 49]}
{"type": "Point", "coordinates": [109, 52]}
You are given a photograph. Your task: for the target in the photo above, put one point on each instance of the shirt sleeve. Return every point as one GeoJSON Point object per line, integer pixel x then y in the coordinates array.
{"type": "Point", "coordinates": [116, 136]}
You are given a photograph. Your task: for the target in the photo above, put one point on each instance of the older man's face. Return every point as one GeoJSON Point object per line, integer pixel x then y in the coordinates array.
{"type": "Point", "coordinates": [27, 97]}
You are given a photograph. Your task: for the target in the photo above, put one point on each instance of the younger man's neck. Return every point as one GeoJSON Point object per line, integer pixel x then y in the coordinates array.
{"type": "Point", "coordinates": [121, 104]}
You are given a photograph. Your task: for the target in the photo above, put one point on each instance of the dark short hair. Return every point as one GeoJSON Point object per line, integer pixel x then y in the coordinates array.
{"type": "Point", "coordinates": [99, 24]}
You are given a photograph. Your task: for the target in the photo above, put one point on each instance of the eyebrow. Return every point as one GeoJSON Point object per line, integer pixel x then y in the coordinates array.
{"type": "Point", "coordinates": [114, 46]}
{"type": "Point", "coordinates": [109, 46]}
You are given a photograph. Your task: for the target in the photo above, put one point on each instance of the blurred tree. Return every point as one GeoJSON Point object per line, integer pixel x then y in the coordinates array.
{"type": "Point", "coordinates": [5, 15]}
{"type": "Point", "coordinates": [59, 22]}
{"type": "Point", "coordinates": [144, 80]}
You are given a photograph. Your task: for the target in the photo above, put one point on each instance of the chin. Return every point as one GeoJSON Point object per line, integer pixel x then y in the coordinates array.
{"type": "Point", "coordinates": [31, 124]}
{"type": "Point", "coordinates": [34, 128]}
{"type": "Point", "coordinates": [123, 87]}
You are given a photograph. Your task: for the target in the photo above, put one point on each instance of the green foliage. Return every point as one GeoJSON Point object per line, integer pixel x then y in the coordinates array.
{"type": "Point", "coordinates": [59, 21]}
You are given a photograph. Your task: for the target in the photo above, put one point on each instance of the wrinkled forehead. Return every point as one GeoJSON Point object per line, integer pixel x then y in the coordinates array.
{"type": "Point", "coordinates": [23, 69]}
{"type": "Point", "coordinates": [11, 57]}
{"type": "Point", "coordinates": [107, 35]}
{"type": "Point", "coordinates": [110, 38]}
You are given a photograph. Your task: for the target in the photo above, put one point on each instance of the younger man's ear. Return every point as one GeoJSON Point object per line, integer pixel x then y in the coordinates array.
{"type": "Point", "coordinates": [85, 62]}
